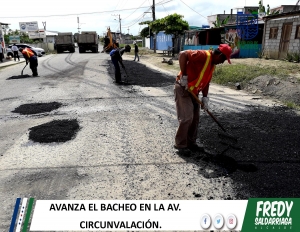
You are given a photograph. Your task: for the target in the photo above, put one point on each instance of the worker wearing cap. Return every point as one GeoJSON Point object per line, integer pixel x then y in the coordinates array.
{"type": "Point", "coordinates": [196, 70]}
{"type": "Point", "coordinates": [30, 56]}
{"type": "Point", "coordinates": [116, 58]}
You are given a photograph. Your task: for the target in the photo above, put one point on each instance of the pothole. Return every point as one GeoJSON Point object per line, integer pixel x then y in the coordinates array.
{"type": "Point", "coordinates": [54, 131]}
{"type": "Point", "coordinates": [19, 77]}
{"type": "Point", "coordinates": [37, 108]}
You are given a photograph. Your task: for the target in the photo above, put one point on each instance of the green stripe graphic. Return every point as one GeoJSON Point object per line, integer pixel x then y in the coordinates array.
{"type": "Point", "coordinates": [272, 214]}
{"type": "Point", "coordinates": [28, 213]}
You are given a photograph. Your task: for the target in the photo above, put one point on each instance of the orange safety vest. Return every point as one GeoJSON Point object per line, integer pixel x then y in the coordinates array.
{"type": "Point", "coordinates": [27, 52]}
{"type": "Point", "coordinates": [204, 76]}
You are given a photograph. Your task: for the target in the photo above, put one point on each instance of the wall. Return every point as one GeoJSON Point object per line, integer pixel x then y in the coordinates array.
{"type": "Point", "coordinates": [163, 41]}
{"type": "Point", "coordinates": [48, 47]}
{"type": "Point", "coordinates": [240, 48]}
{"type": "Point", "coordinates": [271, 46]}
{"type": "Point", "coordinates": [49, 39]}
{"type": "Point", "coordinates": [147, 43]}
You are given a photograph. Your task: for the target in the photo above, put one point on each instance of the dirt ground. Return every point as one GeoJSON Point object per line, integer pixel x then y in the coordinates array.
{"type": "Point", "coordinates": [268, 86]}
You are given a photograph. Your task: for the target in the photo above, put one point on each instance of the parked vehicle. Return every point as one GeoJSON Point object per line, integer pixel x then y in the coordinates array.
{"type": "Point", "coordinates": [88, 41]}
{"type": "Point", "coordinates": [38, 51]}
{"type": "Point", "coordinates": [10, 53]}
{"type": "Point", "coordinates": [65, 42]}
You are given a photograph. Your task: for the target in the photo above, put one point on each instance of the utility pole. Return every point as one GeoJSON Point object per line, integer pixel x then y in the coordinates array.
{"type": "Point", "coordinates": [120, 26]}
{"type": "Point", "coordinates": [154, 34]}
{"type": "Point", "coordinates": [78, 25]}
{"type": "Point", "coordinates": [128, 30]}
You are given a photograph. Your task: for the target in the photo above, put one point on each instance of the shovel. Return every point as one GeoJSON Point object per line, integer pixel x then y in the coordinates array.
{"type": "Point", "coordinates": [126, 75]}
{"type": "Point", "coordinates": [23, 69]}
{"type": "Point", "coordinates": [230, 140]}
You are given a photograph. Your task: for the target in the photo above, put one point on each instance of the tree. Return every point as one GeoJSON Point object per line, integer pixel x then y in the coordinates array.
{"type": "Point", "coordinates": [219, 23]}
{"type": "Point", "coordinates": [172, 25]}
{"type": "Point", "coordinates": [145, 32]}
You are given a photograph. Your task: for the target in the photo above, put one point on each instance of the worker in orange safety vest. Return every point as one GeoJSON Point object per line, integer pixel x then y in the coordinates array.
{"type": "Point", "coordinates": [30, 56]}
{"type": "Point", "coordinates": [196, 70]}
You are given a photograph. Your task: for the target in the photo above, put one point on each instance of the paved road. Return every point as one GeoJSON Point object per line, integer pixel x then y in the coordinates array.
{"type": "Point", "coordinates": [124, 148]}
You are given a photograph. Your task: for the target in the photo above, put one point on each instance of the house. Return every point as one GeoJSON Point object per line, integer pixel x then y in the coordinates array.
{"type": "Point", "coordinates": [231, 17]}
{"type": "Point", "coordinates": [50, 36]}
{"type": "Point", "coordinates": [232, 33]}
{"type": "Point", "coordinates": [285, 8]}
{"type": "Point", "coordinates": [281, 35]}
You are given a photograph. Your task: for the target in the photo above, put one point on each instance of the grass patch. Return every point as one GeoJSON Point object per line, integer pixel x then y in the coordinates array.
{"type": "Point", "coordinates": [292, 105]}
{"type": "Point", "coordinates": [242, 73]}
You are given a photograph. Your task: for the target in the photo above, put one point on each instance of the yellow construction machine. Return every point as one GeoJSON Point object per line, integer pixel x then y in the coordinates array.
{"type": "Point", "coordinates": [109, 42]}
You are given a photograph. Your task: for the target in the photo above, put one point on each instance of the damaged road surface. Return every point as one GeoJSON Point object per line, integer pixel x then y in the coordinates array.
{"type": "Point", "coordinates": [123, 145]}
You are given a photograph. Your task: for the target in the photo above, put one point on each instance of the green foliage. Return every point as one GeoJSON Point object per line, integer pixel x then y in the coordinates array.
{"type": "Point", "coordinates": [261, 8]}
{"type": "Point", "coordinates": [292, 105]}
{"type": "Point", "coordinates": [24, 38]}
{"type": "Point", "coordinates": [171, 25]}
{"type": "Point", "coordinates": [293, 57]}
{"type": "Point", "coordinates": [219, 23]}
{"type": "Point", "coordinates": [260, 53]}
{"type": "Point", "coordinates": [145, 32]}
{"type": "Point", "coordinates": [275, 12]}
{"type": "Point", "coordinates": [225, 74]}
{"type": "Point", "coordinates": [296, 57]}
{"type": "Point", "coordinates": [289, 57]}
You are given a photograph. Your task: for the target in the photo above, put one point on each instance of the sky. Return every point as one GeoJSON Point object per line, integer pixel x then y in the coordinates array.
{"type": "Point", "coordinates": [96, 15]}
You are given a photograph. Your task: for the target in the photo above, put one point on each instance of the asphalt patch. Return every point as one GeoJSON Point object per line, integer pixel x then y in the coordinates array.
{"type": "Point", "coordinates": [138, 74]}
{"type": "Point", "coordinates": [54, 131]}
{"type": "Point", "coordinates": [19, 77]}
{"type": "Point", "coordinates": [37, 108]}
{"type": "Point", "coordinates": [267, 163]}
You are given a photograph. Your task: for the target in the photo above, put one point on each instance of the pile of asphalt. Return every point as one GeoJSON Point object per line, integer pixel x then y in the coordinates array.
{"type": "Point", "coordinates": [54, 131]}
{"type": "Point", "coordinates": [264, 161]}
{"type": "Point", "coordinates": [36, 108]}
{"type": "Point", "coordinates": [137, 74]}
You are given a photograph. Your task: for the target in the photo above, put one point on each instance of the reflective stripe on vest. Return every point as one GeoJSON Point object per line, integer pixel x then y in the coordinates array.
{"type": "Point", "coordinates": [29, 53]}
{"type": "Point", "coordinates": [202, 73]}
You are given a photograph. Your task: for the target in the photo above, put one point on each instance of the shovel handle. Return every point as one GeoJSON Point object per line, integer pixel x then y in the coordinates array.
{"type": "Point", "coordinates": [210, 114]}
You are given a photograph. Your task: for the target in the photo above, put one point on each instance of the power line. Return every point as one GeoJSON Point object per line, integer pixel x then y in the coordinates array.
{"type": "Point", "coordinates": [117, 4]}
{"type": "Point", "coordinates": [193, 9]}
{"type": "Point", "coordinates": [136, 21]}
{"type": "Point", "coordinates": [162, 2]}
{"type": "Point", "coordinates": [134, 10]}
{"type": "Point", "coordinates": [100, 12]}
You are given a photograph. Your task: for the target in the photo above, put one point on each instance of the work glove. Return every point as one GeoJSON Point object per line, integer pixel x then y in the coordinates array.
{"type": "Point", "coordinates": [184, 81]}
{"type": "Point", "coordinates": [205, 101]}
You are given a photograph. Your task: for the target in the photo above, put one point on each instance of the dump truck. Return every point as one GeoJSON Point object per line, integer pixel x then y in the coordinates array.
{"type": "Point", "coordinates": [88, 41]}
{"type": "Point", "coordinates": [65, 42]}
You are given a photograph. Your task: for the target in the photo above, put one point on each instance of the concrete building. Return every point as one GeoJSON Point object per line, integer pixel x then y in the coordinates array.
{"type": "Point", "coordinates": [281, 35]}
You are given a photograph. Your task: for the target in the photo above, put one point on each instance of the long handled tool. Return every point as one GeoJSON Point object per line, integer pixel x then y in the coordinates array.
{"type": "Point", "coordinates": [23, 69]}
{"type": "Point", "coordinates": [126, 80]}
{"type": "Point", "coordinates": [226, 135]}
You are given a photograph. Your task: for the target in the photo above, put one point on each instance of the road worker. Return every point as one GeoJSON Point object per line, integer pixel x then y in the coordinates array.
{"type": "Point", "coordinates": [196, 70]}
{"type": "Point", "coordinates": [31, 57]}
{"type": "Point", "coordinates": [116, 58]}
